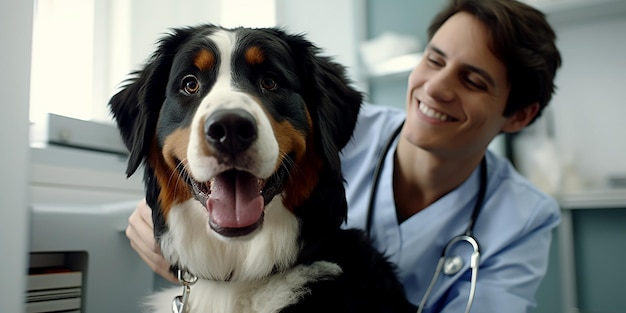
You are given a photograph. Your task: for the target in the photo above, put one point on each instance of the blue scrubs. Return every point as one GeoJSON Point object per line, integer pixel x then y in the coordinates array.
{"type": "Point", "coordinates": [513, 229]}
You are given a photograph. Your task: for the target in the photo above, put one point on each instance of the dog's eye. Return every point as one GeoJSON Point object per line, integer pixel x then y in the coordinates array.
{"type": "Point", "coordinates": [268, 83]}
{"type": "Point", "coordinates": [189, 85]}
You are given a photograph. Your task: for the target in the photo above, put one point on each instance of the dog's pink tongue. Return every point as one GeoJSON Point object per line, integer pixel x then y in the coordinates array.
{"type": "Point", "coordinates": [235, 200]}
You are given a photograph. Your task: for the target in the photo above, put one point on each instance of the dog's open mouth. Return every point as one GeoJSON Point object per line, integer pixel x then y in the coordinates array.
{"type": "Point", "coordinates": [234, 200]}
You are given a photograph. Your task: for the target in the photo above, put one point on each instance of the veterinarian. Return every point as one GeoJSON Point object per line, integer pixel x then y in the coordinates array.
{"type": "Point", "coordinates": [431, 196]}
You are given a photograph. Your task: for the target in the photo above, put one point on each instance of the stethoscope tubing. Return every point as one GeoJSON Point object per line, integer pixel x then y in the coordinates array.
{"type": "Point", "coordinates": [377, 171]}
{"type": "Point", "coordinates": [467, 237]}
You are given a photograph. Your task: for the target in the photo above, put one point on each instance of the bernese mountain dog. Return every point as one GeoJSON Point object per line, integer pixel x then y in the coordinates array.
{"type": "Point", "coordinates": [239, 133]}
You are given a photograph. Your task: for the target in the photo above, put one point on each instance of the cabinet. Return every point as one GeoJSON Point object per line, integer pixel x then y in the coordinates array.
{"type": "Point", "coordinates": [55, 282]}
{"type": "Point", "coordinates": [569, 11]}
{"type": "Point", "coordinates": [80, 203]}
{"type": "Point", "coordinates": [587, 255]}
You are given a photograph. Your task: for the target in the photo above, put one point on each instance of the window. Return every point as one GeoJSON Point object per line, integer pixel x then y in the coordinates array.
{"type": "Point", "coordinates": [83, 49]}
{"type": "Point", "coordinates": [248, 13]}
{"type": "Point", "coordinates": [62, 59]}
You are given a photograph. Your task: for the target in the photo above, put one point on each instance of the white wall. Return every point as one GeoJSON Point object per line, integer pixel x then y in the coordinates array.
{"type": "Point", "coordinates": [16, 23]}
{"type": "Point", "coordinates": [338, 27]}
{"type": "Point", "coordinates": [590, 104]}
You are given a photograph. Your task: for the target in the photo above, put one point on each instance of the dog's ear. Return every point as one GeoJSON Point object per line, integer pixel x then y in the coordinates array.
{"type": "Point", "coordinates": [334, 106]}
{"type": "Point", "coordinates": [333, 103]}
{"type": "Point", "coordinates": [340, 102]}
{"type": "Point", "coordinates": [136, 106]}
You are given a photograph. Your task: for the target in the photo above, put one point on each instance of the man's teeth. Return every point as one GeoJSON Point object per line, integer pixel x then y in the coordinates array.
{"type": "Point", "coordinates": [432, 113]}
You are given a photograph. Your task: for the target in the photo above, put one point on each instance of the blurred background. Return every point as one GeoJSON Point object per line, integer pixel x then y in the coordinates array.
{"type": "Point", "coordinates": [65, 199]}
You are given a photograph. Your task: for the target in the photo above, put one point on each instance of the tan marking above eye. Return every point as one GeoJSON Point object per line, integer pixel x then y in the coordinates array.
{"type": "Point", "coordinates": [204, 60]}
{"type": "Point", "coordinates": [254, 55]}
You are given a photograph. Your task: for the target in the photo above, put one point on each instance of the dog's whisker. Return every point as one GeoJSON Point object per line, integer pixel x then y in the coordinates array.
{"type": "Point", "coordinates": [185, 176]}
{"type": "Point", "coordinates": [179, 171]}
{"type": "Point", "coordinates": [289, 164]}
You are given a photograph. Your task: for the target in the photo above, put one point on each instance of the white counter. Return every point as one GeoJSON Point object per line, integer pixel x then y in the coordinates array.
{"type": "Point", "coordinates": [593, 199]}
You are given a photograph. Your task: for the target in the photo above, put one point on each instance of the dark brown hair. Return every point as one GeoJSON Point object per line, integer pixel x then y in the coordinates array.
{"type": "Point", "coordinates": [522, 39]}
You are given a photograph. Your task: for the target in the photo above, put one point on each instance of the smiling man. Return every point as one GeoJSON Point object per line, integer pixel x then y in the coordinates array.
{"type": "Point", "coordinates": [488, 68]}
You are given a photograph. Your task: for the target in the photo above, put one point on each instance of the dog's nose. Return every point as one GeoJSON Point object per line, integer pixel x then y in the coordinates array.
{"type": "Point", "coordinates": [230, 130]}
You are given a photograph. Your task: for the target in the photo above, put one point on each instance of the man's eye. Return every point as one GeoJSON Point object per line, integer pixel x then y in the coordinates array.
{"type": "Point", "coordinates": [268, 83]}
{"type": "Point", "coordinates": [434, 61]}
{"type": "Point", "coordinates": [479, 85]}
{"type": "Point", "coordinates": [189, 85]}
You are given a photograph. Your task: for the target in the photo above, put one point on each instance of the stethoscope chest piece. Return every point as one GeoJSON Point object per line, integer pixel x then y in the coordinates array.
{"type": "Point", "coordinates": [452, 265]}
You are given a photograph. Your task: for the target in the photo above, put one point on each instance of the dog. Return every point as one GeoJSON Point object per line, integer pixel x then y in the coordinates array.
{"type": "Point", "coordinates": [239, 133]}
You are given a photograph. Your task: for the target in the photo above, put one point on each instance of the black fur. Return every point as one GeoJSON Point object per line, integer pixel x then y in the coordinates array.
{"type": "Point", "coordinates": [367, 283]}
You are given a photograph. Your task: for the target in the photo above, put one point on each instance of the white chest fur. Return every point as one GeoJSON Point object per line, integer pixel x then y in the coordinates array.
{"type": "Point", "coordinates": [266, 295]}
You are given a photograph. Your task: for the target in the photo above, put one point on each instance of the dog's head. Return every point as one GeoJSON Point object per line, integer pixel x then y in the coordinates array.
{"type": "Point", "coordinates": [235, 120]}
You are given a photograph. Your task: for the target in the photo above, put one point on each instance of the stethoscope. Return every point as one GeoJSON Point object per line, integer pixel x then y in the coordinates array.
{"type": "Point", "coordinates": [448, 265]}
